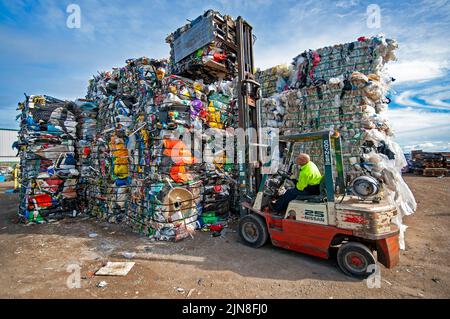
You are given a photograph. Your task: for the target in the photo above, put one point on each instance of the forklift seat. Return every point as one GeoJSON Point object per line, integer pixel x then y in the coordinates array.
{"type": "Point", "coordinates": [320, 198]}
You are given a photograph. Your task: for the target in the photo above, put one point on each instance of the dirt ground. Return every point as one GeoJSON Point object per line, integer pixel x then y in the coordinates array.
{"type": "Point", "coordinates": [34, 260]}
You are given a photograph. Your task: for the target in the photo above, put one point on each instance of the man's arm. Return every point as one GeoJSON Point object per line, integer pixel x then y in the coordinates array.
{"type": "Point", "coordinates": [302, 181]}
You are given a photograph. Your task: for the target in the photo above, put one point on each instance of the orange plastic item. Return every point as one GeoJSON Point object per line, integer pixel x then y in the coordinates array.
{"type": "Point", "coordinates": [179, 175]}
{"type": "Point", "coordinates": [178, 152]}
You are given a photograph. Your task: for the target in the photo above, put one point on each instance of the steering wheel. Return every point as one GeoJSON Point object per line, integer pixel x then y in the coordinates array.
{"type": "Point", "coordinates": [285, 175]}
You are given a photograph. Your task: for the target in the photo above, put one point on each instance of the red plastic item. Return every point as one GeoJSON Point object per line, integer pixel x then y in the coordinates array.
{"type": "Point", "coordinates": [216, 227]}
{"type": "Point", "coordinates": [42, 200]}
{"type": "Point", "coordinates": [219, 57]}
{"type": "Point", "coordinates": [86, 151]}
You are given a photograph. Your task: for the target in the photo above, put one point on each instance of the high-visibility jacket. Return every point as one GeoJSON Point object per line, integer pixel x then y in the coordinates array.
{"type": "Point", "coordinates": [309, 175]}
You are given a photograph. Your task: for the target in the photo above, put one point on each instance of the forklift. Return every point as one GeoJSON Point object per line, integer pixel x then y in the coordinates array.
{"type": "Point", "coordinates": [318, 224]}
{"type": "Point", "coordinates": [356, 225]}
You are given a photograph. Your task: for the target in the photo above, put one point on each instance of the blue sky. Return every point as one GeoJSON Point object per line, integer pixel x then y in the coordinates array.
{"type": "Point", "coordinates": [40, 55]}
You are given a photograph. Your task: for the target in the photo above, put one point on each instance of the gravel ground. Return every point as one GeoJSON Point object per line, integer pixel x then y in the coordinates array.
{"type": "Point", "coordinates": [35, 259]}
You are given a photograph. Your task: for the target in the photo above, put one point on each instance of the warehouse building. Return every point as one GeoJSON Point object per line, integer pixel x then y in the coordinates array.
{"type": "Point", "coordinates": [7, 153]}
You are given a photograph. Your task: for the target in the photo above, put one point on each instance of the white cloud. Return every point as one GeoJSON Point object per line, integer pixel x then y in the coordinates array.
{"type": "Point", "coordinates": [417, 70]}
{"type": "Point", "coordinates": [404, 99]}
{"type": "Point", "coordinates": [435, 146]}
{"type": "Point", "coordinates": [346, 3]}
{"type": "Point", "coordinates": [414, 127]}
{"type": "Point", "coordinates": [302, 28]}
{"type": "Point", "coordinates": [432, 97]}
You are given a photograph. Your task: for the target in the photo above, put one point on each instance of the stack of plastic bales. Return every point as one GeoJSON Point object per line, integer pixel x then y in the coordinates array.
{"type": "Point", "coordinates": [47, 158]}
{"type": "Point", "coordinates": [86, 112]}
{"type": "Point", "coordinates": [341, 87]}
{"type": "Point", "coordinates": [110, 190]}
{"type": "Point", "coordinates": [274, 80]}
{"type": "Point", "coordinates": [147, 75]}
{"type": "Point", "coordinates": [344, 88]}
{"type": "Point", "coordinates": [165, 184]}
{"type": "Point", "coordinates": [150, 162]}
{"type": "Point", "coordinates": [205, 48]}
{"type": "Point", "coordinates": [168, 174]}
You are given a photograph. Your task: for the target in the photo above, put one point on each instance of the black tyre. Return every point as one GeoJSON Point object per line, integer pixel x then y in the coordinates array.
{"type": "Point", "coordinates": [354, 259]}
{"type": "Point", "coordinates": [253, 231]}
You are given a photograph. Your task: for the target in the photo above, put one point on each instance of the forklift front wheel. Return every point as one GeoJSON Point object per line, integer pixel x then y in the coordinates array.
{"type": "Point", "coordinates": [354, 259]}
{"type": "Point", "coordinates": [253, 231]}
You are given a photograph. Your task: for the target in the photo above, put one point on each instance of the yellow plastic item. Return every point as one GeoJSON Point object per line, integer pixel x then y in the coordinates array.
{"type": "Point", "coordinates": [121, 171]}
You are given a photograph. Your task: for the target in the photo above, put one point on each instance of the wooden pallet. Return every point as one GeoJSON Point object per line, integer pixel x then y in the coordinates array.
{"type": "Point", "coordinates": [431, 171]}
{"type": "Point", "coordinates": [433, 165]}
{"type": "Point", "coordinates": [435, 172]}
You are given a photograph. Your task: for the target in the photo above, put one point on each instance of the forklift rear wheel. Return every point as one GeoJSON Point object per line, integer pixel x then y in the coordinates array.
{"type": "Point", "coordinates": [354, 259]}
{"type": "Point", "coordinates": [253, 231]}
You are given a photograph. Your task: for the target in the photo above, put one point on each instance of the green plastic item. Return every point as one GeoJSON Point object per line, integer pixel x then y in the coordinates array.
{"type": "Point", "coordinates": [199, 53]}
{"type": "Point", "coordinates": [209, 218]}
{"type": "Point", "coordinates": [37, 219]}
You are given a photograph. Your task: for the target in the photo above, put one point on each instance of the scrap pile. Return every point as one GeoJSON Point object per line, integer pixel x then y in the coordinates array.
{"type": "Point", "coordinates": [342, 88]}
{"type": "Point", "coordinates": [430, 164]}
{"type": "Point", "coordinates": [47, 158]}
{"type": "Point", "coordinates": [170, 181]}
{"type": "Point", "coordinates": [152, 146]}
{"type": "Point", "coordinates": [159, 155]}
{"type": "Point", "coordinates": [205, 48]}
{"type": "Point", "coordinates": [148, 166]}
{"type": "Point", "coordinates": [165, 189]}
{"type": "Point", "coordinates": [110, 180]}
{"type": "Point", "coordinates": [155, 144]}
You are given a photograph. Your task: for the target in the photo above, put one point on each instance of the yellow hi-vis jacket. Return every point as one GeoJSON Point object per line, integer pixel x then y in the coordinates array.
{"type": "Point", "coordinates": [309, 175]}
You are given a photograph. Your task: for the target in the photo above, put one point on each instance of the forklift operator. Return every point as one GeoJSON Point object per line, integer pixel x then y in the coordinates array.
{"type": "Point", "coordinates": [308, 183]}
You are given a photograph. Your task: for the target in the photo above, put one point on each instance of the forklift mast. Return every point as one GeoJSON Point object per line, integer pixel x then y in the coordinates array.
{"type": "Point", "coordinates": [249, 114]}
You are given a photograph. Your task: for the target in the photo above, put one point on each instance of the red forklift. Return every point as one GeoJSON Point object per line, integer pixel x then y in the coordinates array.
{"type": "Point", "coordinates": [356, 225]}
{"type": "Point", "coordinates": [317, 224]}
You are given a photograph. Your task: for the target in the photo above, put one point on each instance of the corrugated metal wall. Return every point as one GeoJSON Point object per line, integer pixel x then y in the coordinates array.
{"type": "Point", "coordinates": [7, 138]}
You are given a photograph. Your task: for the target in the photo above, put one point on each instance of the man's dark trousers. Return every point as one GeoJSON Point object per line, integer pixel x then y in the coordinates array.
{"type": "Point", "coordinates": [283, 202]}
